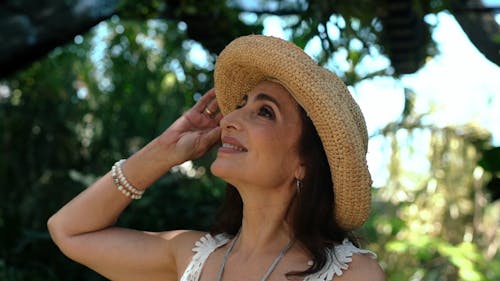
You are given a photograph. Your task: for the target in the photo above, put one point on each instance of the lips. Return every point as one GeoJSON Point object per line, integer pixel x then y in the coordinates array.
{"type": "Point", "coordinates": [231, 143]}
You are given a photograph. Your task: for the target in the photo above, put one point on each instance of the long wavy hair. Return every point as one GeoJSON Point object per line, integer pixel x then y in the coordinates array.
{"type": "Point", "coordinates": [313, 219]}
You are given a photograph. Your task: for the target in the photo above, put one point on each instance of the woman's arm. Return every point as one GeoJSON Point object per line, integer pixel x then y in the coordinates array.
{"type": "Point", "coordinates": [83, 228]}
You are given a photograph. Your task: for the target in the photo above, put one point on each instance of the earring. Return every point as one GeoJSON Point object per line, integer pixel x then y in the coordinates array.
{"type": "Point", "coordinates": [299, 185]}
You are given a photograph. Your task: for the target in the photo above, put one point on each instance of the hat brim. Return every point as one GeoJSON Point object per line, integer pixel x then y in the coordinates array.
{"type": "Point", "coordinates": [338, 119]}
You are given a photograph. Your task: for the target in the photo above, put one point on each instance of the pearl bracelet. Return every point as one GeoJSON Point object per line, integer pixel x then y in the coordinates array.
{"type": "Point", "coordinates": [122, 183]}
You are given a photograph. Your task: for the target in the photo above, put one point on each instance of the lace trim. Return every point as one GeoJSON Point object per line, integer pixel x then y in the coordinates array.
{"type": "Point", "coordinates": [337, 258]}
{"type": "Point", "coordinates": [337, 261]}
{"type": "Point", "coordinates": [203, 248]}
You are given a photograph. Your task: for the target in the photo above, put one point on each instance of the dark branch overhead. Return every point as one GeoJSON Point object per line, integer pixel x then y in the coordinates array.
{"type": "Point", "coordinates": [478, 22]}
{"type": "Point", "coordinates": [290, 12]}
{"type": "Point", "coordinates": [31, 29]}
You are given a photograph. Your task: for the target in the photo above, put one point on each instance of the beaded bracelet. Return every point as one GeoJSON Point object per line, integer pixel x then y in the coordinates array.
{"type": "Point", "coordinates": [122, 183]}
{"type": "Point", "coordinates": [120, 187]}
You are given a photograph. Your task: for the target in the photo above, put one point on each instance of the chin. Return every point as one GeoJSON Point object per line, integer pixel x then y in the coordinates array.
{"type": "Point", "coordinates": [223, 170]}
{"type": "Point", "coordinates": [214, 170]}
{"type": "Point", "coordinates": [217, 169]}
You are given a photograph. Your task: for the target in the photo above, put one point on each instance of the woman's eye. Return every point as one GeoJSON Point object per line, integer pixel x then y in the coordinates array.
{"type": "Point", "coordinates": [267, 112]}
{"type": "Point", "coordinates": [242, 103]}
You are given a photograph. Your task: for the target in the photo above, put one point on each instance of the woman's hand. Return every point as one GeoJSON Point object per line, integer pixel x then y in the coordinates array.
{"type": "Point", "coordinates": [195, 132]}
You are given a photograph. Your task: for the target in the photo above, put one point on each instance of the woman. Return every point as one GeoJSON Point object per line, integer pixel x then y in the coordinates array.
{"type": "Point", "coordinates": [294, 155]}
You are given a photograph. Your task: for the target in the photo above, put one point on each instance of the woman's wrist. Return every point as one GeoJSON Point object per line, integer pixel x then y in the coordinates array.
{"type": "Point", "coordinates": [148, 164]}
{"type": "Point", "coordinates": [122, 183]}
{"type": "Point", "coordinates": [167, 149]}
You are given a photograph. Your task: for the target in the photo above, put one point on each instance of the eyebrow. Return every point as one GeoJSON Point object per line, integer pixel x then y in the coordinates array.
{"type": "Point", "coordinates": [264, 96]}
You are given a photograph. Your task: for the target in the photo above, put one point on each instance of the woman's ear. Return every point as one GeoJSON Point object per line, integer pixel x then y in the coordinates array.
{"type": "Point", "coordinates": [300, 172]}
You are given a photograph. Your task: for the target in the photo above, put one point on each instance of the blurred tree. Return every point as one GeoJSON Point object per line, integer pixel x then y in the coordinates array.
{"type": "Point", "coordinates": [69, 116]}
{"type": "Point", "coordinates": [30, 30]}
{"type": "Point", "coordinates": [433, 218]}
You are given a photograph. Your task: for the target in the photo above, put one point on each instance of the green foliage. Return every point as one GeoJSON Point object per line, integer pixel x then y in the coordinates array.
{"type": "Point", "coordinates": [490, 162]}
{"type": "Point", "coordinates": [434, 219]}
{"type": "Point", "coordinates": [70, 116]}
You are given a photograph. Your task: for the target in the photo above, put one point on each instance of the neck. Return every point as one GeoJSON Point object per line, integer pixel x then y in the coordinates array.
{"type": "Point", "coordinates": [265, 226]}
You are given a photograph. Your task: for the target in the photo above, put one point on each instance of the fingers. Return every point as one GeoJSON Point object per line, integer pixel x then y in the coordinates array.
{"type": "Point", "coordinates": [212, 109]}
{"type": "Point", "coordinates": [205, 100]}
{"type": "Point", "coordinates": [208, 106]}
{"type": "Point", "coordinates": [212, 137]}
{"type": "Point", "coordinates": [208, 140]}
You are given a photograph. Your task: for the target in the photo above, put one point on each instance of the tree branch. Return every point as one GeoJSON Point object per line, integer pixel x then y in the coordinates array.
{"type": "Point", "coordinates": [284, 12]}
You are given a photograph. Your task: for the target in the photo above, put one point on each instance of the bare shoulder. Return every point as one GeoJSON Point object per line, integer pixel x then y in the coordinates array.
{"type": "Point", "coordinates": [362, 268]}
{"type": "Point", "coordinates": [181, 243]}
{"type": "Point", "coordinates": [182, 236]}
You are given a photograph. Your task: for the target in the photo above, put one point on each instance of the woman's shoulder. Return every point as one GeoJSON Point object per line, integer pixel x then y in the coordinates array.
{"type": "Point", "coordinates": [181, 244]}
{"type": "Point", "coordinates": [362, 267]}
{"type": "Point", "coordinates": [356, 263]}
{"type": "Point", "coordinates": [182, 237]}
{"type": "Point", "coordinates": [185, 243]}
{"type": "Point", "coordinates": [181, 241]}
{"type": "Point", "coordinates": [192, 236]}
{"type": "Point", "coordinates": [345, 261]}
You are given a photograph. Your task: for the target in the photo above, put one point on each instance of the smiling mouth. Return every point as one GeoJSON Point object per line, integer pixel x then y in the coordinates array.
{"type": "Point", "coordinates": [234, 147]}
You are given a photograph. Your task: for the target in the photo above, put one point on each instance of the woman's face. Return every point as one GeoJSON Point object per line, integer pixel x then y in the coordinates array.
{"type": "Point", "coordinates": [260, 140]}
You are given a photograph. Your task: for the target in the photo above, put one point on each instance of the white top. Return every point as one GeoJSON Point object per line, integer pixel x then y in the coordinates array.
{"type": "Point", "coordinates": [337, 258]}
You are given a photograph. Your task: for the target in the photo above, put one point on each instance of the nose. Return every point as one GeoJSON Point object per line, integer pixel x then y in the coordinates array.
{"type": "Point", "coordinates": [232, 120]}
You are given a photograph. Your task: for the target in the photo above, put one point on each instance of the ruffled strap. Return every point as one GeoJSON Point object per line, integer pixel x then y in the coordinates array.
{"type": "Point", "coordinates": [337, 261]}
{"type": "Point", "coordinates": [203, 248]}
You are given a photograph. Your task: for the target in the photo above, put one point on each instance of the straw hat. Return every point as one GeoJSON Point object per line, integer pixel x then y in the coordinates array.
{"type": "Point", "coordinates": [338, 120]}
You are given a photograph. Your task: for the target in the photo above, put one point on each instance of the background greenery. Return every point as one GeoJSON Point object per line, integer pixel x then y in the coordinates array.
{"type": "Point", "coordinates": [67, 117]}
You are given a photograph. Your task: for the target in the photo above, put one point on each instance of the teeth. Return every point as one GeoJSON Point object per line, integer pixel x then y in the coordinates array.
{"type": "Point", "coordinates": [227, 145]}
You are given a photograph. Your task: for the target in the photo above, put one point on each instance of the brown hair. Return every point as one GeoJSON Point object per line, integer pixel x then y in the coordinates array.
{"type": "Point", "coordinates": [313, 220]}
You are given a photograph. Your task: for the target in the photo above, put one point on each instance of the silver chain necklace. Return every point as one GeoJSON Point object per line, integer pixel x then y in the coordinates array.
{"type": "Point", "coordinates": [269, 270]}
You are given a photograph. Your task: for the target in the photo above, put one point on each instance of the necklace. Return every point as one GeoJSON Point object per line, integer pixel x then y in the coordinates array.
{"type": "Point", "coordinates": [269, 270]}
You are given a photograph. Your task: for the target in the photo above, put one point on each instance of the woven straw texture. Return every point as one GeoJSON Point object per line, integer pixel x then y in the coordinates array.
{"type": "Point", "coordinates": [338, 119]}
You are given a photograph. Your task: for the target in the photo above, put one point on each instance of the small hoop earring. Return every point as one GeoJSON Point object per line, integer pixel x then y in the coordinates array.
{"type": "Point", "coordinates": [299, 185]}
